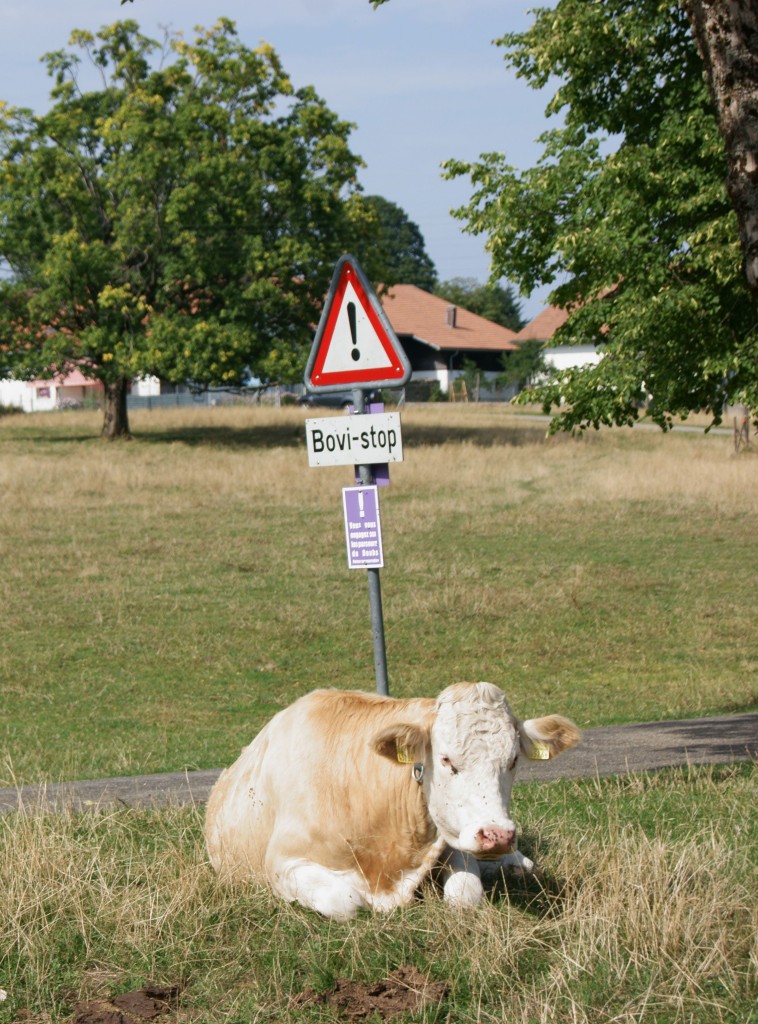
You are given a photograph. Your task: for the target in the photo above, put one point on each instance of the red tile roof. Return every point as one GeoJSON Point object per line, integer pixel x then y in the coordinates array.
{"type": "Point", "coordinates": [412, 311]}
{"type": "Point", "coordinates": [544, 325]}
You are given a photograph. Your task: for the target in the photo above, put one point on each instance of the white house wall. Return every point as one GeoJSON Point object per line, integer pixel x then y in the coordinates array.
{"type": "Point", "coordinates": [146, 387]}
{"type": "Point", "coordinates": [565, 357]}
{"type": "Point", "coordinates": [21, 394]}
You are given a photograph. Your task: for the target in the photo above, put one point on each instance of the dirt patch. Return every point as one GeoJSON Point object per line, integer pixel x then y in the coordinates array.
{"type": "Point", "coordinates": [403, 990]}
{"type": "Point", "coordinates": [144, 1004]}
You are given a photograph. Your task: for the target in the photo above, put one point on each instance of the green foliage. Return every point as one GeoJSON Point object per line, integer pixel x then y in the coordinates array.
{"type": "Point", "coordinates": [626, 209]}
{"type": "Point", "coordinates": [401, 245]}
{"type": "Point", "coordinates": [524, 366]}
{"type": "Point", "coordinates": [183, 220]}
{"type": "Point", "coordinates": [492, 301]}
{"type": "Point", "coordinates": [472, 376]}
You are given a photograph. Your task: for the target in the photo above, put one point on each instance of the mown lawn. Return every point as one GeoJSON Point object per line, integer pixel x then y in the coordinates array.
{"type": "Point", "coordinates": [162, 598]}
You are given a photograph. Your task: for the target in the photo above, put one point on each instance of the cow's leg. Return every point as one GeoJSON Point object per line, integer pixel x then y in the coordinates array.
{"type": "Point", "coordinates": [331, 893]}
{"type": "Point", "coordinates": [511, 865]}
{"type": "Point", "coordinates": [516, 864]}
{"type": "Point", "coordinates": [461, 879]}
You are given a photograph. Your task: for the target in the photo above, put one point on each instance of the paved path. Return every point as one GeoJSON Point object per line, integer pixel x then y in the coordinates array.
{"type": "Point", "coordinates": [606, 751]}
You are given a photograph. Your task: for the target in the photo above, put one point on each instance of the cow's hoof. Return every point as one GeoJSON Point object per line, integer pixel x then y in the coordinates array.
{"type": "Point", "coordinates": [513, 865]}
{"type": "Point", "coordinates": [516, 865]}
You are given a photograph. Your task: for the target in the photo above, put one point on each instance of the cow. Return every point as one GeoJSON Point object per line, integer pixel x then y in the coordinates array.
{"type": "Point", "coordinates": [348, 800]}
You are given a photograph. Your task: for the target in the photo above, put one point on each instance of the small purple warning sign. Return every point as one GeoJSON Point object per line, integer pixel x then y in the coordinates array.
{"type": "Point", "coordinates": [362, 529]}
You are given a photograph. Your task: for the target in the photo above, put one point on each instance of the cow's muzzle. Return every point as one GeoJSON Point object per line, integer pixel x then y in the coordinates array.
{"type": "Point", "coordinates": [495, 842]}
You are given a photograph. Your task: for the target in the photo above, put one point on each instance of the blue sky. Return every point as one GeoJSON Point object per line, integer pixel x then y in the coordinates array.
{"type": "Point", "coordinates": [421, 79]}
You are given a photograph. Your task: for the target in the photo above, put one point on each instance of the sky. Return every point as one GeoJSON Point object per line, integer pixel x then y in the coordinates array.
{"type": "Point", "coordinates": [421, 80]}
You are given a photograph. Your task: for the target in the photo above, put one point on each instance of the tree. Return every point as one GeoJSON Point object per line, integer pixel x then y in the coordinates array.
{"type": "Point", "coordinates": [635, 59]}
{"type": "Point", "coordinates": [727, 40]}
{"type": "Point", "coordinates": [183, 220]}
{"type": "Point", "coordinates": [492, 301]}
{"type": "Point", "coordinates": [627, 209]}
{"type": "Point", "coordinates": [525, 366]}
{"type": "Point", "coordinates": [401, 245]}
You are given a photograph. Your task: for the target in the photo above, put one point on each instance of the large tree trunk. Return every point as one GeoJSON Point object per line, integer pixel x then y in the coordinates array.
{"type": "Point", "coordinates": [726, 33]}
{"type": "Point", "coordinates": [116, 416]}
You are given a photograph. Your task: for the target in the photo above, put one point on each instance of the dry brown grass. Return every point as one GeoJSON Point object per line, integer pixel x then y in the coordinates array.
{"type": "Point", "coordinates": [641, 916]}
{"type": "Point", "coordinates": [516, 457]}
{"type": "Point", "coordinates": [476, 449]}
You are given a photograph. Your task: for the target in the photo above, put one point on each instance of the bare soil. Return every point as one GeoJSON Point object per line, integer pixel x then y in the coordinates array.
{"type": "Point", "coordinates": [404, 990]}
{"type": "Point", "coordinates": [143, 1004]}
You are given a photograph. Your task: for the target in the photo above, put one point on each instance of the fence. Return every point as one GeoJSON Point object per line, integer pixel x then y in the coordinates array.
{"type": "Point", "coordinates": [189, 399]}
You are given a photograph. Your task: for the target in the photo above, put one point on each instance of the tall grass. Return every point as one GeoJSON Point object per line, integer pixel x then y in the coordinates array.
{"type": "Point", "coordinates": [160, 599]}
{"type": "Point", "coordinates": [645, 913]}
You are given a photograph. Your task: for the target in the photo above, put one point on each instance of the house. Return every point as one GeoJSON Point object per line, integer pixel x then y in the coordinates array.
{"type": "Point", "coordinates": [440, 338]}
{"type": "Point", "coordinates": [559, 357]}
{"type": "Point", "coordinates": [441, 341]}
{"type": "Point", "coordinates": [74, 391]}
{"type": "Point", "coordinates": [70, 391]}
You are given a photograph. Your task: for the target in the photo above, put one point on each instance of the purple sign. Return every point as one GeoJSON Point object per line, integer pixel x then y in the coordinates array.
{"type": "Point", "coordinates": [362, 528]}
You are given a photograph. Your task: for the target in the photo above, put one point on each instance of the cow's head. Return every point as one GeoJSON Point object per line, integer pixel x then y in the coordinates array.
{"type": "Point", "coordinates": [467, 758]}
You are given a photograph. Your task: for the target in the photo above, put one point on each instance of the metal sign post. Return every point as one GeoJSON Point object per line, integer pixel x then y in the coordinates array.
{"type": "Point", "coordinates": [356, 349]}
{"type": "Point", "coordinates": [366, 476]}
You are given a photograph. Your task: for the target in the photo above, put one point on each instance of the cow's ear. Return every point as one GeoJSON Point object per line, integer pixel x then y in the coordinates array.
{"type": "Point", "coordinates": [402, 742]}
{"type": "Point", "coordinates": [543, 738]}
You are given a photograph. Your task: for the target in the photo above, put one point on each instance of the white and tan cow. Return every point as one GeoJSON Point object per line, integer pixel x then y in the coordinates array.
{"type": "Point", "coordinates": [348, 800]}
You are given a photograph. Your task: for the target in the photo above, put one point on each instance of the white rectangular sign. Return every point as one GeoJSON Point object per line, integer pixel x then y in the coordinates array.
{"type": "Point", "coordinates": [360, 440]}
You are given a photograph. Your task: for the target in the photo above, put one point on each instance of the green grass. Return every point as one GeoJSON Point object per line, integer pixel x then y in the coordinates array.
{"type": "Point", "coordinates": [645, 912]}
{"type": "Point", "coordinates": [162, 598]}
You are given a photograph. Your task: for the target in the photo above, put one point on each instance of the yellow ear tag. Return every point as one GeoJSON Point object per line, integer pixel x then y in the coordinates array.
{"type": "Point", "coordinates": [404, 755]}
{"type": "Point", "coordinates": [540, 752]}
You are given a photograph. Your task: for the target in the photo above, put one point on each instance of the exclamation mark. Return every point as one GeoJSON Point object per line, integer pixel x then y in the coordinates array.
{"type": "Point", "coordinates": [353, 331]}
{"type": "Point", "coordinates": [361, 509]}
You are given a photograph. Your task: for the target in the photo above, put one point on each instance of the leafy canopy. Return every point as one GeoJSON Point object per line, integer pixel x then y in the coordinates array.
{"type": "Point", "coordinates": [495, 302]}
{"type": "Point", "coordinates": [625, 214]}
{"type": "Point", "coordinates": [402, 243]}
{"type": "Point", "coordinates": [183, 219]}
{"type": "Point", "coordinates": [524, 366]}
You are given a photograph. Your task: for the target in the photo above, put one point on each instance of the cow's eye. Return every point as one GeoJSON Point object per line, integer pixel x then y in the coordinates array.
{"type": "Point", "coordinates": [447, 763]}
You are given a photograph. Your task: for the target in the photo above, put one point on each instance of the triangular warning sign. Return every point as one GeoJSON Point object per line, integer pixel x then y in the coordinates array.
{"type": "Point", "coordinates": [355, 344]}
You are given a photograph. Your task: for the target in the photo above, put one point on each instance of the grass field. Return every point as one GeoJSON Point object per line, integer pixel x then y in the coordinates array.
{"type": "Point", "coordinates": [646, 913]}
{"type": "Point", "coordinates": [162, 598]}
